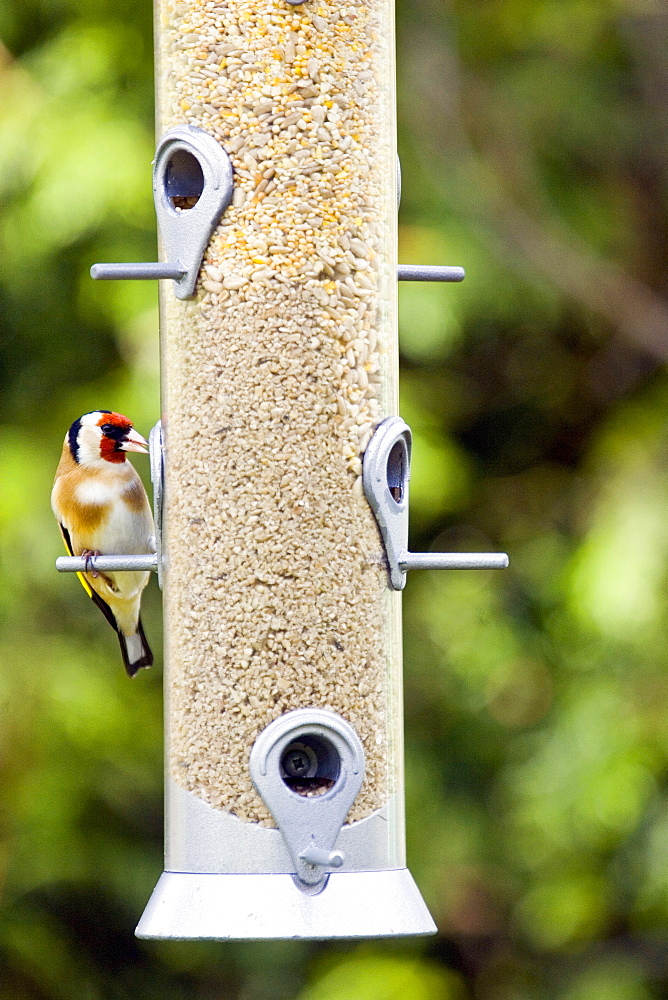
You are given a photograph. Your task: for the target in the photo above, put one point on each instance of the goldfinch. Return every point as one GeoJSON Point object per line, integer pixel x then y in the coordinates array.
{"type": "Point", "coordinates": [102, 508]}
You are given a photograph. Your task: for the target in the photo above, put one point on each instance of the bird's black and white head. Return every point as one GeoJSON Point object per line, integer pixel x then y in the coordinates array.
{"type": "Point", "coordinates": [103, 436]}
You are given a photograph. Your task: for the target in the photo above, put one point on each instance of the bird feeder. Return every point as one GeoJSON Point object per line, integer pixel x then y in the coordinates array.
{"type": "Point", "coordinates": [281, 473]}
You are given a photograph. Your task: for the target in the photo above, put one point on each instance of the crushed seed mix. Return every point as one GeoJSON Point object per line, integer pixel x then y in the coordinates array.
{"type": "Point", "coordinates": [274, 378]}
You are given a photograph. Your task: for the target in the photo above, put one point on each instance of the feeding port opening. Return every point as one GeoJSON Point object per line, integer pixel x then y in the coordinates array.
{"type": "Point", "coordinates": [397, 469]}
{"type": "Point", "coordinates": [184, 180]}
{"type": "Point", "coordinates": [310, 765]}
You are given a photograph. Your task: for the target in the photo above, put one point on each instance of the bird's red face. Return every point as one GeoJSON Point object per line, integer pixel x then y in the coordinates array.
{"type": "Point", "coordinates": [103, 435]}
{"type": "Point", "coordinates": [118, 436]}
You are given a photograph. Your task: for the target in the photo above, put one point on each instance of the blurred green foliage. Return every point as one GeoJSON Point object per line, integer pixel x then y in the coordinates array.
{"type": "Point", "coordinates": [535, 153]}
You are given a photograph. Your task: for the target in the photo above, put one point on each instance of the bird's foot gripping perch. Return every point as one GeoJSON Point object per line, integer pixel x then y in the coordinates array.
{"type": "Point", "coordinates": [88, 555]}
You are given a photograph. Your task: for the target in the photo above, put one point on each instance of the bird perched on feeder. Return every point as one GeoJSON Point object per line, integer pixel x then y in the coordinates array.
{"type": "Point", "coordinates": [102, 508]}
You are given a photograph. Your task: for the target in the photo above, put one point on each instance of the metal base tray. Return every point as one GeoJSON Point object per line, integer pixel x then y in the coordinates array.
{"type": "Point", "coordinates": [226, 907]}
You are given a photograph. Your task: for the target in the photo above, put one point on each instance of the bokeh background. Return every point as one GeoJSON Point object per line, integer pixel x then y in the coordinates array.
{"type": "Point", "coordinates": [535, 153]}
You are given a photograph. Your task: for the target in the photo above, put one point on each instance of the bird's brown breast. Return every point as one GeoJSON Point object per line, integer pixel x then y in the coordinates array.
{"type": "Point", "coordinates": [79, 518]}
{"type": "Point", "coordinates": [134, 496]}
{"type": "Point", "coordinates": [82, 518]}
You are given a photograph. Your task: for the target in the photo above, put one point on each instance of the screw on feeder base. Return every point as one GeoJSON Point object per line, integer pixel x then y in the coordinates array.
{"type": "Point", "coordinates": [299, 761]}
{"type": "Point", "coordinates": [297, 764]}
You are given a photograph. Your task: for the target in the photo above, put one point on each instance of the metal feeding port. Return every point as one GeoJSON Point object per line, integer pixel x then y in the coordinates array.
{"type": "Point", "coordinates": [386, 477]}
{"type": "Point", "coordinates": [308, 766]}
{"type": "Point", "coordinates": [192, 187]}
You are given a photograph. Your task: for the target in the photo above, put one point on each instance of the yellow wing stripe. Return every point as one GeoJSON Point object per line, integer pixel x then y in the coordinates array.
{"type": "Point", "coordinates": [85, 584]}
{"type": "Point", "coordinates": [68, 548]}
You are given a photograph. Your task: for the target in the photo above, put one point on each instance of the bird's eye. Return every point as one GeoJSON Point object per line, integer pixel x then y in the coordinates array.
{"type": "Point", "coordinates": [107, 428]}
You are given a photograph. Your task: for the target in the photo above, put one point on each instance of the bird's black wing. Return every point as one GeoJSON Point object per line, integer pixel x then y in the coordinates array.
{"type": "Point", "coordinates": [94, 596]}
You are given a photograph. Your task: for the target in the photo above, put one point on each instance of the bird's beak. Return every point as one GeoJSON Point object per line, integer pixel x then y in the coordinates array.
{"type": "Point", "coordinates": [135, 442]}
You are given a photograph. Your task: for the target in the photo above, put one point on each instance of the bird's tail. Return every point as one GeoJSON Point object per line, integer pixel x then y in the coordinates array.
{"type": "Point", "coordinates": [135, 650]}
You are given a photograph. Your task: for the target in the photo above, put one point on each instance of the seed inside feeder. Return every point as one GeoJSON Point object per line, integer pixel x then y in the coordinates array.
{"type": "Point", "coordinates": [276, 591]}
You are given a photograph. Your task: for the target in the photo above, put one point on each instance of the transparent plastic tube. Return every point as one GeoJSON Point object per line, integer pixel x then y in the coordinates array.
{"type": "Point", "coordinates": [274, 377]}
